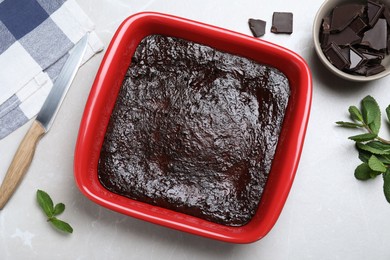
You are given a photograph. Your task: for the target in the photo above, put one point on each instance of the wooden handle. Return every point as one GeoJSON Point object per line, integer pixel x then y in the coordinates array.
{"type": "Point", "coordinates": [21, 162]}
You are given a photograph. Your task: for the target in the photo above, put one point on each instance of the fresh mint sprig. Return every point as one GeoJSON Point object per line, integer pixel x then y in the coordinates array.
{"type": "Point", "coordinates": [51, 211]}
{"type": "Point", "coordinates": [374, 151]}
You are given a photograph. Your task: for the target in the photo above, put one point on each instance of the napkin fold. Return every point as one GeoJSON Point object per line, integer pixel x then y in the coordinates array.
{"type": "Point", "coordinates": [35, 39]}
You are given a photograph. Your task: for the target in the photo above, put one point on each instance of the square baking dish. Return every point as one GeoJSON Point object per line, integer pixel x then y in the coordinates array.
{"type": "Point", "coordinates": [103, 96]}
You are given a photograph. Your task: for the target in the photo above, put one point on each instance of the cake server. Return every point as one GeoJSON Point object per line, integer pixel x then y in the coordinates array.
{"type": "Point", "coordinates": [25, 152]}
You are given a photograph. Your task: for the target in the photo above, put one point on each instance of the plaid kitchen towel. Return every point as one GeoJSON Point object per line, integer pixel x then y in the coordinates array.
{"type": "Point", "coordinates": [35, 38]}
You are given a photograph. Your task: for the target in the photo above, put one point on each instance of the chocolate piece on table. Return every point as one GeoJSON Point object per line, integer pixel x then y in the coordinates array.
{"type": "Point", "coordinates": [374, 11]}
{"type": "Point", "coordinates": [345, 37]}
{"type": "Point", "coordinates": [358, 24]}
{"type": "Point", "coordinates": [257, 27]}
{"type": "Point", "coordinates": [376, 38]}
{"type": "Point", "coordinates": [282, 22]}
{"type": "Point", "coordinates": [343, 15]}
{"type": "Point", "coordinates": [336, 57]}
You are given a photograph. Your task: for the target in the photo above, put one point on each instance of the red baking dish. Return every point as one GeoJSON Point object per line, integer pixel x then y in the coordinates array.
{"type": "Point", "coordinates": [103, 97]}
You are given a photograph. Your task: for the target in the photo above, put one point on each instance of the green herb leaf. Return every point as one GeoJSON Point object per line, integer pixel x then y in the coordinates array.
{"type": "Point", "coordinates": [58, 209]}
{"type": "Point", "coordinates": [375, 147]}
{"type": "Point", "coordinates": [370, 110]}
{"type": "Point", "coordinates": [371, 114]}
{"type": "Point", "coordinates": [355, 113]}
{"type": "Point", "coordinates": [45, 202]}
{"type": "Point", "coordinates": [384, 158]}
{"type": "Point", "coordinates": [386, 185]}
{"type": "Point", "coordinates": [376, 165]}
{"type": "Point", "coordinates": [364, 155]}
{"type": "Point", "coordinates": [374, 174]}
{"type": "Point", "coordinates": [348, 124]}
{"type": "Point", "coordinates": [61, 225]}
{"type": "Point", "coordinates": [374, 151]}
{"type": "Point", "coordinates": [363, 172]}
{"type": "Point", "coordinates": [375, 126]}
{"type": "Point", "coordinates": [363, 137]}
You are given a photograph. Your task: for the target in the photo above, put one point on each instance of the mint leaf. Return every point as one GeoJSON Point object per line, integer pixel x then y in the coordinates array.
{"type": "Point", "coordinates": [364, 155]}
{"type": "Point", "coordinates": [375, 126]}
{"type": "Point", "coordinates": [363, 172]}
{"type": "Point", "coordinates": [61, 225]}
{"type": "Point", "coordinates": [355, 113]}
{"type": "Point", "coordinates": [374, 174]}
{"type": "Point", "coordinates": [374, 151]}
{"type": "Point", "coordinates": [386, 185]}
{"type": "Point", "coordinates": [45, 202]}
{"type": "Point", "coordinates": [371, 114]}
{"type": "Point", "coordinates": [376, 165]}
{"type": "Point", "coordinates": [348, 124]}
{"type": "Point", "coordinates": [370, 110]}
{"type": "Point", "coordinates": [363, 137]}
{"type": "Point", "coordinates": [375, 147]}
{"type": "Point", "coordinates": [384, 158]}
{"type": "Point", "coordinates": [58, 209]}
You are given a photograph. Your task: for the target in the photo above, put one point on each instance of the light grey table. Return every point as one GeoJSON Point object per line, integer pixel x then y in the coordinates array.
{"type": "Point", "coordinates": [328, 215]}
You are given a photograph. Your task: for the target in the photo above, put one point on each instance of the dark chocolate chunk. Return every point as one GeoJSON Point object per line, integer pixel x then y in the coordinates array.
{"type": "Point", "coordinates": [376, 38]}
{"type": "Point", "coordinates": [346, 53]}
{"type": "Point", "coordinates": [361, 71]}
{"type": "Point", "coordinates": [325, 31]}
{"type": "Point", "coordinates": [324, 40]}
{"type": "Point", "coordinates": [326, 24]}
{"type": "Point", "coordinates": [257, 27]}
{"type": "Point", "coordinates": [372, 58]}
{"type": "Point", "coordinates": [358, 25]}
{"type": "Point", "coordinates": [368, 70]}
{"type": "Point", "coordinates": [282, 23]}
{"type": "Point", "coordinates": [374, 11]}
{"type": "Point", "coordinates": [343, 15]}
{"type": "Point", "coordinates": [336, 57]}
{"type": "Point", "coordinates": [345, 37]}
{"type": "Point", "coordinates": [388, 44]}
{"type": "Point", "coordinates": [356, 59]}
{"type": "Point", "coordinates": [375, 70]}
{"type": "Point", "coordinates": [386, 15]}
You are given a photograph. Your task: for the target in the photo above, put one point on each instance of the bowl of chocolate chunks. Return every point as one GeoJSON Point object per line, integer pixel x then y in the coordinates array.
{"type": "Point", "coordinates": [352, 38]}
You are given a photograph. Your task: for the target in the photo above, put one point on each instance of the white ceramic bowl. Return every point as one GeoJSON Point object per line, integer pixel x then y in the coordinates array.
{"type": "Point", "coordinates": [324, 10]}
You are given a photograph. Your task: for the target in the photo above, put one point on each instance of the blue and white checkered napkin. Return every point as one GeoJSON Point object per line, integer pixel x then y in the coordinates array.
{"type": "Point", "coordinates": [35, 38]}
